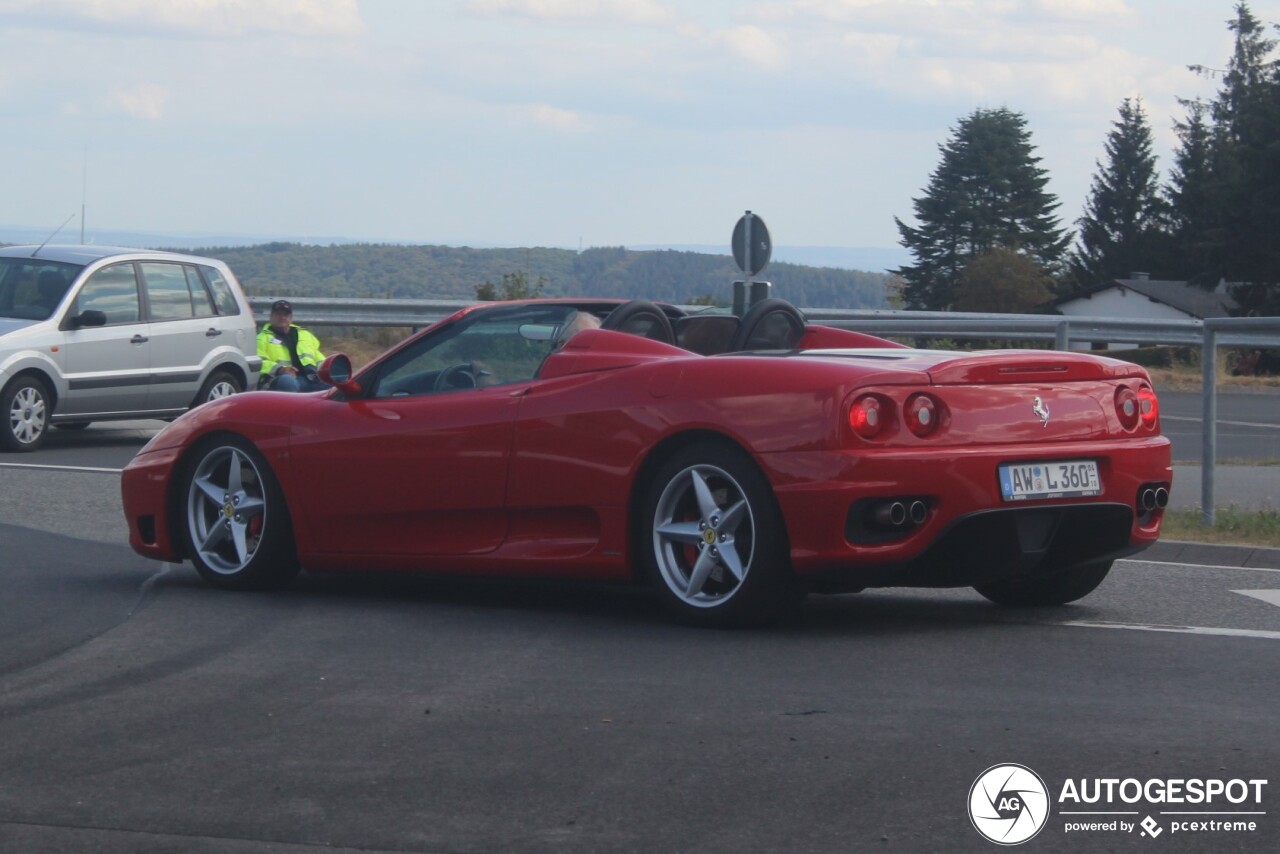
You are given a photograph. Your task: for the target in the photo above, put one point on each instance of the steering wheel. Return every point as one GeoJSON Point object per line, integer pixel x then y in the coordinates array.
{"type": "Point", "coordinates": [455, 377]}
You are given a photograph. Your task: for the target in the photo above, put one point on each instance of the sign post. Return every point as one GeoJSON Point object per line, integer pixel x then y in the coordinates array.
{"type": "Point", "coordinates": [752, 249]}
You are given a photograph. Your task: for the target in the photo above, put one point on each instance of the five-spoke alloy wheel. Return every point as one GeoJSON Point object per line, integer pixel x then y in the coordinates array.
{"type": "Point", "coordinates": [716, 546]}
{"type": "Point", "coordinates": [237, 526]}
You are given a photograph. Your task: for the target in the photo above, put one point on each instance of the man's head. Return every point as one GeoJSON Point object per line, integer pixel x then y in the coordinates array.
{"type": "Point", "coordinates": [281, 314]}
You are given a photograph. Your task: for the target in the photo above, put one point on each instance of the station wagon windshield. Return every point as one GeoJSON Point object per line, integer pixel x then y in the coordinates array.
{"type": "Point", "coordinates": [31, 288]}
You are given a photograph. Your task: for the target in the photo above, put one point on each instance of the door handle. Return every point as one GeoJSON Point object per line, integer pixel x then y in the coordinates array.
{"type": "Point", "coordinates": [138, 339]}
{"type": "Point", "coordinates": [212, 333]}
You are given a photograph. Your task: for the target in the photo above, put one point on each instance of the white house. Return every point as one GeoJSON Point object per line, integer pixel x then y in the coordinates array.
{"type": "Point", "coordinates": [1141, 298]}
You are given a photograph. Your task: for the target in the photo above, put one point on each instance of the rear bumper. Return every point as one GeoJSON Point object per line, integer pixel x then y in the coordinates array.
{"type": "Point", "coordinates": [969, 535]}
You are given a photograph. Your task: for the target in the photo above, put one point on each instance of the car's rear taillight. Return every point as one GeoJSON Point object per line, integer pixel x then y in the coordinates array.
{"type": "Point", "coordinates": [1127, 407]}
{"type": "Point", "coordinates": [1148, 406]}
{"type": "Point", "coordinates": [921, 414]}
{"type": "Point", "coordinates": [868, 416]}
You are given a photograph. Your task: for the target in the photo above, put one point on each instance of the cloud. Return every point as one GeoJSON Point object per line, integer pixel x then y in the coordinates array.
{"type": "Point", "coordinates": [578, 11]}
{"type": "Point", "coordinates": [193, 17]}
{"type": "Point", "coordinates": [1086, 10]}
{"type": "Point", "coordinates": [754, 45]}
{"type": "Point", "coordinates": [903, 14]}
{"type": "Point", "coordinates": [874, 49]}
{"type": "Point", "coordinates": [145, 101]}
{"type": "Point", "coordinates": [555, 118]}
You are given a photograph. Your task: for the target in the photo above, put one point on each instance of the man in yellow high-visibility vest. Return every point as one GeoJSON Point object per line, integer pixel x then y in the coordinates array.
{"type": "Point", "coordinates": [290, 354]}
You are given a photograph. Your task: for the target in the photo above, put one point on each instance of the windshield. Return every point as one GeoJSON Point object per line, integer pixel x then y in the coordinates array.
{"type": "Point", "coordinates": [492, 346]}
{"type": "Point", "coordinates": [31, 288]}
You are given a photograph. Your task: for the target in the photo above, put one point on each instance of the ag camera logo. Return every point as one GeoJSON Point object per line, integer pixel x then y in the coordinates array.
{"type": "Point", "coordinates": [1008, 804]}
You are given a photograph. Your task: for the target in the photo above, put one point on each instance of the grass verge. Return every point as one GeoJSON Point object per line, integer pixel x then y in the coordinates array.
{"type": "Point", "coordinates": [1231, 525]}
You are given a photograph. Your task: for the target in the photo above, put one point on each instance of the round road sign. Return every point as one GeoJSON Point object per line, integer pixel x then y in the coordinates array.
{"type": "Point", "coordinates": [754, 258]}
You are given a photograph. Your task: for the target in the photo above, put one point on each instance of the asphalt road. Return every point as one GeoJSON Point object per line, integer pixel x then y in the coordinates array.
{"type": "Point", "coordinates": [141, 711]}
{"type": "Point", "coordinates": [1248, 425]}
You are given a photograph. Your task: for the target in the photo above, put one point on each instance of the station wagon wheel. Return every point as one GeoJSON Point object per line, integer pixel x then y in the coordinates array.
{"type": "Point", "coordinates": [717, 548]}
{"type": "Point", "coordinates": [1047, 588]}
{"type": "Point", "coordinates": [25, 404]}
{"type": "Point", "coordinates": [237, 525]}
{"type": "Point", "coordinates": [220, 384]}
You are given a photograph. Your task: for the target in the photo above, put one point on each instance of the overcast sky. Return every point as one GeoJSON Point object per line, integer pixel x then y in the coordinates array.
{"type": "Point", "coordinates": [560, 122]}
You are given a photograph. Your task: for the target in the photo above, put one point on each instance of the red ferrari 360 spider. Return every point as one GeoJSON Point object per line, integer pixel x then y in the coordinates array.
{"type": "Point", "coordinates": [733, 463]}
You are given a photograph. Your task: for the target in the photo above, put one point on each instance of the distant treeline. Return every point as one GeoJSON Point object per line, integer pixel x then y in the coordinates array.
{"type": "Point", "coordinates": [447, 272]}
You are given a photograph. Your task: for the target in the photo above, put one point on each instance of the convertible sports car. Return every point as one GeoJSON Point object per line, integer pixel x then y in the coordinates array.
{"type": "Point", "coordinates": [735, 464]}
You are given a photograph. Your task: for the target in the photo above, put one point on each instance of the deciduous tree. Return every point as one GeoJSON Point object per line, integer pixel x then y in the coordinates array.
{"type": "Point", "coordinates": [1003, 281]}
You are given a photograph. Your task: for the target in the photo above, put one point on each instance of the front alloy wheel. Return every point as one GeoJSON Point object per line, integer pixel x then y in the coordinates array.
{"type": "Point", "coordinates": [717, 547]}
{"type": "Point", "coordinates": [237, 527]}
{"type": "Point", "coordinates": [25, 404]}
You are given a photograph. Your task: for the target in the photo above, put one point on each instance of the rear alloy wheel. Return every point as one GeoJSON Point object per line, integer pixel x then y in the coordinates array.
{"type": "Point", "coordinates": [237, 525]}
{"type": "Point", "coordinates": [1057, 588]}
{"type": "Point", "coordinates": [25, 404]}
{"type": "Point", "coordinates": [717, 549]}
{"type": "Point", "coordinates": [220, 384]}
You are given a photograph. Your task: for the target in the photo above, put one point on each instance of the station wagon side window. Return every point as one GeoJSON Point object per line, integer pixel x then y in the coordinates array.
{"type": "Point", "coordinates": [170, 292]}
{"type": "Point", "coordinates": [223, 297]}
{"type": "Point", "coordinates": [114, 292]}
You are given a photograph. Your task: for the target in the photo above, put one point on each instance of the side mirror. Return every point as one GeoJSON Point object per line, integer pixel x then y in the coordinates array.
{"type": "Point", "coordinates": [336, 371]}
{"type": "Point", "coordinates": [91, 317]}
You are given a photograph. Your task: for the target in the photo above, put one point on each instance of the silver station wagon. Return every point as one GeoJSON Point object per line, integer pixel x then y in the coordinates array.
{"type": "Point", "coordinates": [96, 333]}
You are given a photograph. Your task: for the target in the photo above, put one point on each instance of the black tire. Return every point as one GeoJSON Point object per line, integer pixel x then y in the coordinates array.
{"type": "Point", "coordinates": [713, 541]}
{"type": "Point", "coordinates": [25, 406]}
{"type": "Point", "coordinates": [72, 426]}
{"type": "Point", "coordinates": [221, 383]}
{"type": "Point", "coordinates": [1046, 590]}
{"type": "Point", "coordinates": [234, 518]}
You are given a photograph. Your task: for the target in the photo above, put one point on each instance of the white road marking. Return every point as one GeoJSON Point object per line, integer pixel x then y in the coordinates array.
{"type": "Point", "coordinates": [1220, 421]}
{"type": "Point", "coordinates": [58, 468]}
{"type": "Point", "coordinates": [1186, 630]}
{"type": "Point", "coordinates": [1269, 596]}
{"type": "Point", "coordinates": [1200, 565]}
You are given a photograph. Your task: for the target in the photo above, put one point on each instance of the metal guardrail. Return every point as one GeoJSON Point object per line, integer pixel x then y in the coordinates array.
{"type": "Point", "coordinates": [1063, 331]}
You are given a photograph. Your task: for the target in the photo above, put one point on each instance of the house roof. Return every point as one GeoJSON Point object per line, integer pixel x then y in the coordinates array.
{"type": "Point", "coordinates": [1183, 296]}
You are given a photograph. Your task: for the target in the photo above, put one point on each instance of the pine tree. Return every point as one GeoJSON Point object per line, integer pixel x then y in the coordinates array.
{"type": "Point", "coordinates": [1226, 189]}
{"type": "Point", "coordinates": [1120, 231]}
{"type": "Point", "coordinates": [1192, 194]}
{"type": "Point", "coordinates": [988, 192]}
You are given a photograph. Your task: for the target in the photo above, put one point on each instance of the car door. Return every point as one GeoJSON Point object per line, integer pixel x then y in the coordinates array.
{"type": "Point", "coordinates": [107, 367]}
{"type": "Point", "coordinates": [419, 475]}
{"type": "Point", "coordinates": [418, 464]}
{"type": "Point", "coordinates": [183, 329]}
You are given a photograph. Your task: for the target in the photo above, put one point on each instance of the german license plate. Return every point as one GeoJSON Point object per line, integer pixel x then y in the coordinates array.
{"type": "Point", "coordinates": [1064, 479]}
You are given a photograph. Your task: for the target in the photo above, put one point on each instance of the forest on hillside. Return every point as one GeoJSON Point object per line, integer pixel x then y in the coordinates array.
{"type": "Point", "coordinates": [448, 272]}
